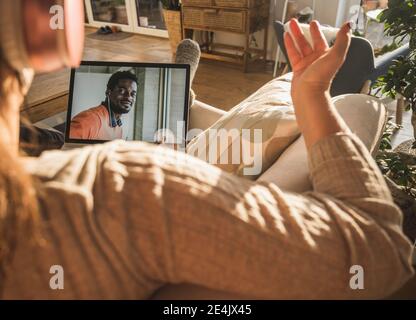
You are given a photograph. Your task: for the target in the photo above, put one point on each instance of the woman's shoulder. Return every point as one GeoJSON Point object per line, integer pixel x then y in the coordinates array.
{"type": "Point", "coordinates": [83, 165]}
{"type": "Point", "coordinates": [69, 165]}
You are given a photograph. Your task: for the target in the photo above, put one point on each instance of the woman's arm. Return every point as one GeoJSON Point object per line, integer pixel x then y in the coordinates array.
{"type": "Point", "coordinates": [314, 68]}
{"type": "Point", "coordinates": [345, 177]}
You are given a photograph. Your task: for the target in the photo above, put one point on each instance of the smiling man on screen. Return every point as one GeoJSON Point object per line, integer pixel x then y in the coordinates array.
{"type": "Point", "coordinates": [104, 121]}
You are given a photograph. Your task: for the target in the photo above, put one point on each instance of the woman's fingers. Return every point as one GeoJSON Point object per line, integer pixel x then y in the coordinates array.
{"type": "Point", "coordinates": [292, 51]}
{"type": "Point", "coordinates": [299, 37]}
{"type": "Point", "coordinates": [319, 41]}
{"type": "Point", "coordinates": [342, 43]}
{"type": "Point", "coordinates": [302, 55]}
{"type": "Point", "coordinates": [336, 55]}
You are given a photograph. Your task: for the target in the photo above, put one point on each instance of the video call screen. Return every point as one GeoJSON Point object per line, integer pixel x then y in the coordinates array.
{"type": "Point", "coordinates": [130, 103]}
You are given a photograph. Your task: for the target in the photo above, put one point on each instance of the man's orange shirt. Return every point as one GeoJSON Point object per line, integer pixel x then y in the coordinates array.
{"type": "Point", "coordinates": [94, 124]}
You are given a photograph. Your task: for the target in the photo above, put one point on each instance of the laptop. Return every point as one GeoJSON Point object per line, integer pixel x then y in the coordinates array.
{"type": "Point", "coordinates": [129, 101]}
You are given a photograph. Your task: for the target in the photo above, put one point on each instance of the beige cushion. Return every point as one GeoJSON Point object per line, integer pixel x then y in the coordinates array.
{"type": "Point", "coordinates": [291, 171]}
{"type": "Point", "coordinates": [366, 117]}
{"type": "Point", "coordinates": [270, 110]}
{"type": "Point", "coordinates": [202, 115]}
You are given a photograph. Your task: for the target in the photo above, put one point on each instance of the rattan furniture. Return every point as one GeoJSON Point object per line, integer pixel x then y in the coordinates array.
{"type": "Point", "coordinates": [244, 17]}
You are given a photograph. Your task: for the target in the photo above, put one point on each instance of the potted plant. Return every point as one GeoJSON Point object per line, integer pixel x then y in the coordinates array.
{"type": "Point", "coordinates": [400, 22]}
{"type": "Point", "coordinates": [173, 21]}
{"type": "Point", "coordinates": [399, 166]}
{"type": "Point", "coordinates": [399, 170]}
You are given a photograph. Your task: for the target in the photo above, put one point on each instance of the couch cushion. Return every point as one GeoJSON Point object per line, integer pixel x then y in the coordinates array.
{"type": "Point", "coordinates": [366, 117]}
{"type": "Point", "coordinates": [202, 115]}
{"type": "Point", "coordinates": [269, 110]}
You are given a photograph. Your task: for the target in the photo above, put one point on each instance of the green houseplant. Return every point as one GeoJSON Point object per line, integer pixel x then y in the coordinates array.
{"type": "Point", "coordinates": [400, 22]}
{"type": "Point", "coordinates": [398, 167]}
{"type": "Point", "coordinates": [399, 170]}
{"type": "Point", "coordinates": [173, 21]}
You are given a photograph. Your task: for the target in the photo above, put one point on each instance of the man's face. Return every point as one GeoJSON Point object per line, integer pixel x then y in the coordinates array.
{"type": "Point", "coordinates": [123, 96]}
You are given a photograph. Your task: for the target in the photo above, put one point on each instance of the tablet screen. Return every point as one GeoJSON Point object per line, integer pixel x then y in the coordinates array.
{"type": "Point", "coordinates": [134, 102]}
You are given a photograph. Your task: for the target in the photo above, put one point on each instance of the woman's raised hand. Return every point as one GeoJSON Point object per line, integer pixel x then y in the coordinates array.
{"type": "Point", "coordinates": [315, 66]}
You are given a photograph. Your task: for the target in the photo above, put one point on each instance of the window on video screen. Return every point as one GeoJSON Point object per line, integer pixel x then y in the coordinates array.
{"type": "Point", "coordinates": [112, 103]}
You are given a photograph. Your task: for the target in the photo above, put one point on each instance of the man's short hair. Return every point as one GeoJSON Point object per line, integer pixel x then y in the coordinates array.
{"type": "Point", "coordinates": [120, 75]}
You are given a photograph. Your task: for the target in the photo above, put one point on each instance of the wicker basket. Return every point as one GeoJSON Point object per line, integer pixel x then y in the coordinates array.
{"type": "Point", "coordinates": [174, 25]}
{"type": "Point", "coordinates": [238, 3]}
{"type": "Point", "coordinates": [215, 19]}
{"type": "Point", "coordinates": [231, 3]}
{"type": "Point", "coordinates": [193, 17]}
{"type": "Point", "coordinates": [198, 2]}
{"type": "Point", "coordinates": [226, 20]}
{"type": "Point", "coordinates": [225, 3]}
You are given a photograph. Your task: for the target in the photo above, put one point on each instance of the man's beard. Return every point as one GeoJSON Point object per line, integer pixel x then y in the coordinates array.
{"type": "Point", "coordinates": [120, 109]}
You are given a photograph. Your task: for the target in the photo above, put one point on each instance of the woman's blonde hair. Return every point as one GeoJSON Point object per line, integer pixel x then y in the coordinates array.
{"type": "Point", "coordinates": [18, 204]}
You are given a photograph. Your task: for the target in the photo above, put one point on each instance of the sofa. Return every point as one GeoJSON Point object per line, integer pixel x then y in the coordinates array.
{"type": "Point", "coordinates": [365, 115]}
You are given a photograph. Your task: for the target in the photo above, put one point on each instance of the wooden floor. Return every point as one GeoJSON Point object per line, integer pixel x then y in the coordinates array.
{"type": "Point", "coordinates": [219, 84]}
